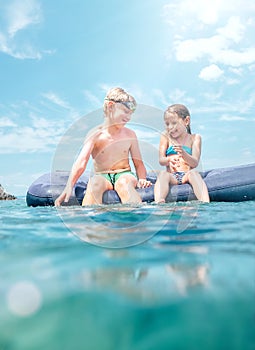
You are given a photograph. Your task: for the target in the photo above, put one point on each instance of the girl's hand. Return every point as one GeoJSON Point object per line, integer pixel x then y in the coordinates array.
{"type": "Point", "coordinates": [174, 163]}
{"type": "Point", "coordinates": [178, 148]}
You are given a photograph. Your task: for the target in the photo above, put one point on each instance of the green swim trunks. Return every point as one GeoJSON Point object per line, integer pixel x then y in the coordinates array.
{"type": "Point", "coordinates": [113, 177]}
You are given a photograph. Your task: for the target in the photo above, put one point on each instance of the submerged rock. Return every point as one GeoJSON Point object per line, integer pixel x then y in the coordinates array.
{"type": "Point", "coordinates": [4, 195]}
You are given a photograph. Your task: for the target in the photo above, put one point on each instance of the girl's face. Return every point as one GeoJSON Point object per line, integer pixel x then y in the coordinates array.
{"type": "Point", "coordinates": [175, 125]}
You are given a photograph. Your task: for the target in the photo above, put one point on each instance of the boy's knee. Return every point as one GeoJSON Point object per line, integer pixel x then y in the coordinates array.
{"type": "Point", "coordinates": [124, 183]}
{"type": "Point", "coordinates": [97, 184]}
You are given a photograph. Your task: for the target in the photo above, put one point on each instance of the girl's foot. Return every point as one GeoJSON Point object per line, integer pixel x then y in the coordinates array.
{"type": "Point", "coordinates": [161, 201]}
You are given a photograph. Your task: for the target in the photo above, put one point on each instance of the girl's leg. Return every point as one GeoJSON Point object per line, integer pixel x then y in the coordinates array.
{"type": "Point", "coordinates": [125, 187]}
{"type": "Point", "coordinates": [97, 185]}
{"type": "Point", "coordinates": [198, 184]}
{"type": "Point", "coordinates": [161, 187]}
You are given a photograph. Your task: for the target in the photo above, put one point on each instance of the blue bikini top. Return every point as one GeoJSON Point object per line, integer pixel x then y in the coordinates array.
{"type": "Point", "coordinates": [171, 150]}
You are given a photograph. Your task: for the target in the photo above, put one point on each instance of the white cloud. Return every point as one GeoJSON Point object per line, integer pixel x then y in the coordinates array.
{"type": "Point", "coordinates": [211, 72]}
{"type": "Point", "coordinates": [180, 96]}
{"type": "Point", "coordinates": [235, 58]}
{"type": "Point", "coordinates": [215, 104]}
{"type": "Point", "coordinates": [41, 123]}
{"type": "Point", "coordinates": [252, 67]}
{"type": "Point", "coordinates": [54, 98]}
{"type": "Point", "coordinates": [217, 48]}
{"type": "Point", "coordinates": [159, 94]}
{"type": "Point", "coordinates": [238, 71]}
{"type": "Point", "coordinates": [21, 14]}
{"type": "Point", "coordinates": [234, 30]}
{"type": "Point", "coordinates": [177, 95]}
{"type": "Point", "coordinates": [105, 87]}
{"type": "Point", "coordinates": [205, 11]}
{"type": "Point", "coordinates": [27, 130]}
{"type": "Point", "coordinates": [228, 44]}
{"type": "Point", "coordinates": [39, 136]}
{"type": "Point", "coordinates": [6, 122]}
{"type": "Point", "coordinates": [92, 99]}
{"type": "Point", "coordinates": [231, 118]}
{"type": "Point", "coordinates": [186, 14]}
{"type": "Point", "coordinates": [17, 16]}
{"type": "Point", "coordinates": [193, 49]}
{"type": "Point", "coordinates": [57, 102]}
{"type": "Point", "coordinates": [230, 81]}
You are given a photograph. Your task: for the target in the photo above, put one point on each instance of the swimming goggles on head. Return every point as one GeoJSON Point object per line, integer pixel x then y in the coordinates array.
{"type": "Point", "coordinates": [129, 104]}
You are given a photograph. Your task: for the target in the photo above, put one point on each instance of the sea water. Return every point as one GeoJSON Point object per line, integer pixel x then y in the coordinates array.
{"type": "Point", "coordinates": [172, 276]}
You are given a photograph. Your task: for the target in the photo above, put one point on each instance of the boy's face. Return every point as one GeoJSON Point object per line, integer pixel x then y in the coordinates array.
{"type": "Point", "coordinates": [121, 114]}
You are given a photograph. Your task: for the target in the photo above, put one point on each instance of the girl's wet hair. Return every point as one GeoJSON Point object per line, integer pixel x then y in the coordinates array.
{"type": "Point", "coordinates": [182, 112]}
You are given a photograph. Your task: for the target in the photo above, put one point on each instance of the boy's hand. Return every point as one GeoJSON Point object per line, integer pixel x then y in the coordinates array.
{"type": "Point", "coordinates": [143, 183]}
{"type": "Point", "coordinates": [64, 197]}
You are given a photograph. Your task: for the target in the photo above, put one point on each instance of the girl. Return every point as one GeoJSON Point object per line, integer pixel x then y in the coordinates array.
{"type": "Point", "coordinates": [179, 151]}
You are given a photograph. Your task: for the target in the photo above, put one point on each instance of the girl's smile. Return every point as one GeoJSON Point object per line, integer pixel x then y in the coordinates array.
{"type": "Point", "coordinates": [175, 126]}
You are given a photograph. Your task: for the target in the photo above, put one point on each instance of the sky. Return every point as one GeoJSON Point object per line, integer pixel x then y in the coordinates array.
{"type": "Point", "coordinates": [59, 58]}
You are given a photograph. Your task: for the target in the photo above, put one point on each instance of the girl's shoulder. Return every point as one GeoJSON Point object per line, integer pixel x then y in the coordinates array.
{"type": "Point", "coordinates": [195, 140]}
{"type": "Point", "coordinates": [164, 137]}
{"type": "Point", "coordinates": [164, 133]}
{"type": "Point", "coordinates": [195, 137]}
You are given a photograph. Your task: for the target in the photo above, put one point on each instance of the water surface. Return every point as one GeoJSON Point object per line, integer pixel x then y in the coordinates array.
{"type": "Point", "coordinates": [189, 285]}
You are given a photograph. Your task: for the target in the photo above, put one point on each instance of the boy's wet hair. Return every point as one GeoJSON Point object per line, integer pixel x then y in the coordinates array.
{"type": "Point", "coordinates": [118, 94]}
{"type": "Point", "coordinates": [182, 112]}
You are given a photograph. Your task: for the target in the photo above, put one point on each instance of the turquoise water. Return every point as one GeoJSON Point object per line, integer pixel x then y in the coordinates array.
{"type": "Point", "coordinates": [189, 285]}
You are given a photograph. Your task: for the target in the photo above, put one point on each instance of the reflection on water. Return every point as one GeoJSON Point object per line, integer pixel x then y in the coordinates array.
{"type": "Point", "coordinates": [121, 226]}
{"type": "Point", "coordinates": [147, 284]}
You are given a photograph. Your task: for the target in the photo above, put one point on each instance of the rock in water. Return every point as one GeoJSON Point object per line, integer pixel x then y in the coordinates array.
{"type": "Point", "coordinates": [4, 195]}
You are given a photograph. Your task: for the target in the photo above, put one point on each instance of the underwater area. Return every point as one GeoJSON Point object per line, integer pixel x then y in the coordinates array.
{"type": "Point", "coordinates": [171, 276]}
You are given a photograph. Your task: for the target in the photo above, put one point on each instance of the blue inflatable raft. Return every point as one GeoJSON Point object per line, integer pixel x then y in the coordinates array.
{"type": "Point", "coordinates": [233, 184]}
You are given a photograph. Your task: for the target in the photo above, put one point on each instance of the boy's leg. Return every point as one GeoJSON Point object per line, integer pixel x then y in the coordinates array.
{"type": "Point", "coordinates": [161, 187]}
{"type": "Point", "coordinates": [97, 185]}
{"type": "Point", "coordinates": [125, 187]}
{"type": "Point", "coordinates": [198, 184]}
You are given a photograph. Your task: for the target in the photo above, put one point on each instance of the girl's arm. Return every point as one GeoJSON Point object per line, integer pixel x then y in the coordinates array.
{"type": "Point", "coordinates": [163, 145]}
{"type": "Point", "coordinates": [193, 160]}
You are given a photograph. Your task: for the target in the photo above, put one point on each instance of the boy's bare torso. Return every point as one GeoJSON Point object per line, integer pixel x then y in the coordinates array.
{"type": "Point", "coordinates": [111, 150]}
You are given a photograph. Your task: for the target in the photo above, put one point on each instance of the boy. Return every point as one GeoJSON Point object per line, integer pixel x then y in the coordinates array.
{"type": "Point", "coordinates": [110, 145]}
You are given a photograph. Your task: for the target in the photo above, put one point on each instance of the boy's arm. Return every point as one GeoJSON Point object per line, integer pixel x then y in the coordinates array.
{"type": "Point", "coordinates": [78, 168]}
{"type": "Point", "coordinates": [138, 163]}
